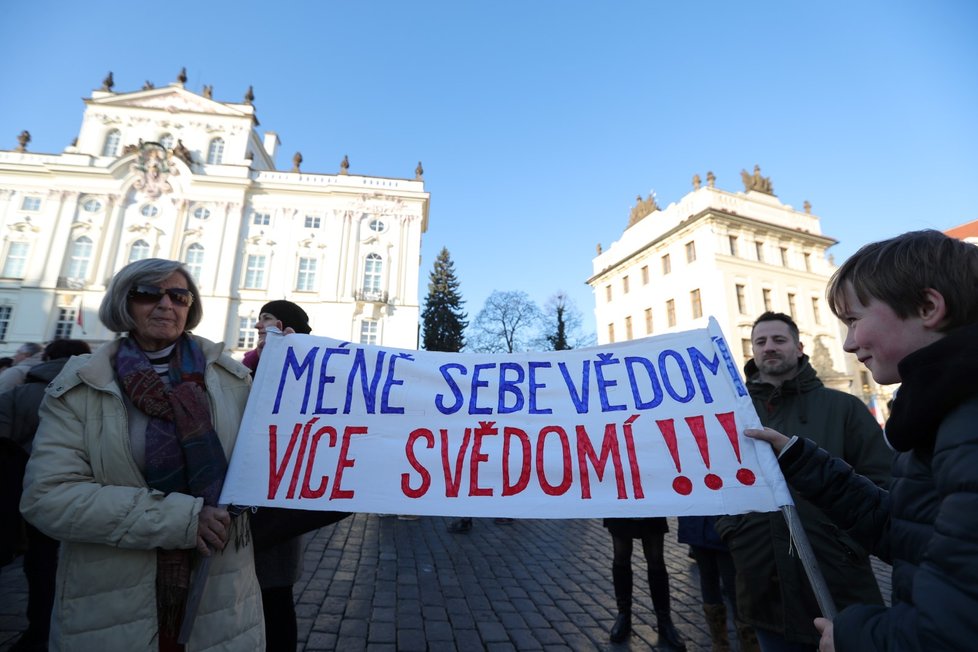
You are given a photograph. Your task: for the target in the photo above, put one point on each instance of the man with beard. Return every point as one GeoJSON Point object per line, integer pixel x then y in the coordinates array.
{"type": "Point", "coordinates": [773, 593]}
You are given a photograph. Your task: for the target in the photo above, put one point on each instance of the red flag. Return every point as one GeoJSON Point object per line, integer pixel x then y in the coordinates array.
{"type": "Point", "coordinates": [79, 318]}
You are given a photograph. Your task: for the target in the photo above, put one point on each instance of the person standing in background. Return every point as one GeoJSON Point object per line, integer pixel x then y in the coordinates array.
{"type": "Point", "coordinates": [18, 424]}
{"type": "Point", "coordinates": [28, 356]}
{"type": "Point", "coordinates": [278, 566]}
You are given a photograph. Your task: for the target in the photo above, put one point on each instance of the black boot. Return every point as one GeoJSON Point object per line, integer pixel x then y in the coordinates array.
{"type": "Point", "coordinates": [621, 576]}
{"type": "Point", "coordinates": [668, 634]}
{"type": "Point", "coordinates": [622, 627]}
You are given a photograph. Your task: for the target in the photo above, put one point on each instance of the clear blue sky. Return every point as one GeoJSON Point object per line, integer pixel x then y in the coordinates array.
{"type": "Point", "coordinates": [538, 122]}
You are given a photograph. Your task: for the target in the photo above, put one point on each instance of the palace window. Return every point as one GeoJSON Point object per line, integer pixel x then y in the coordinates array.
{"type": "Point", "coordinates": [79, 258]}
{"type": "Point", "coordinates": [371, 273]}
{"type": "Point", "coordinates": [648, 321]}
{"type": "Point", "coordinates": [15, 260]}
{"type": "Point", "coordinates": [149, 210]}
{"type": "Point", "coordinates": [624, 285]}
{"type": "Point", "coordinates": [255, 272]}
{"type": "Point", "coordinates": [247, 335]}
{"type": "Point", "coordinates": [31, 204]}
{"type": "Point", "coordinates": [732, 241]}
{"type": "Point", "coordinates": [305, 280]}
{"type": "Point", "coordinates": [766, 295]}
{"type": "Point", "coordinates": [671, 312]}
{"type": "Point", "coordinates": [202, 213]}
{"type": "Point", "coordinates": [741, 299]}
{"type": "Point", "coordinates": [368, 331]}
{"type": "Point", "coordinates": [611, 333]}
{"type": "Point", "coordinates": [111, 145]}
{"type": "Point", "coordinates": [816, 310]}
{"type": "Point", "coordinates": [666, 264]}
{"type": "Point", "coordinates": [696, 303]}
{"type": "Point", "coordinates": [194, 260]}
{"type": "Point", "coordinates": [791, 305]}
{"type": "Point", "coordinates": [628, 328]}
{"type": "Point", "coordinates": [139, 251]}
{"type": "Point", "coordinates": [166, 140]}
{"type": "Point", "coordinates": [4, 321]}
{"type": "Point", "coordinates": [690, 251]}
{"type": "Point", "coordinates": [65, 324]}
{"type": "Point", "coordinates": [313, 222]}
{"type": "Point", "coordinates": [645, 274]}
{"type": "Point", "coordinates": [92, 206]}
{"type": "Point", "coordinates": [215, 152]}
{"type": "Point", "coordinates": [261, 219]}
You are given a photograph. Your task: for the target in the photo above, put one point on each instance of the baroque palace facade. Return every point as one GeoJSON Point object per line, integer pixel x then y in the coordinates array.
{"type": "Point", "coordinates": [169, 173]}
{"type": "Point", "coordinates": [730, 255]}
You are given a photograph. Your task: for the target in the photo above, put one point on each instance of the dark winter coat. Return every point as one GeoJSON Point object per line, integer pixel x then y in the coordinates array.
{"type": "Point", "coordinates": [18, 424]}
{"type": "Point", "coordinates": [927, 524]}
{"type": "Point", "coordinates": [700, 531]}
{"type": "Point", "coordinates": [18, 406]}
{"type": "Point", "coordinates": [773, 592]}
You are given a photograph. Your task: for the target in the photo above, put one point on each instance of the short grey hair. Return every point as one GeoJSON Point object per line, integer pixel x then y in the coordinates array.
{"type": "Point", "coordinates": [114, 311]}
{"type": "Point", "coordinates": [30, 348]}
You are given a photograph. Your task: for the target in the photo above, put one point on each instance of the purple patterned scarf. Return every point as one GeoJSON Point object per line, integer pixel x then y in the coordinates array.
{"type": "Point", "coordinates": [183, 452]}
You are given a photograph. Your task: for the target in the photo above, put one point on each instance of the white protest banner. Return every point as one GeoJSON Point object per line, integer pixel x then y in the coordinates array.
{"type": "Point", "coordinates": [648, 427]}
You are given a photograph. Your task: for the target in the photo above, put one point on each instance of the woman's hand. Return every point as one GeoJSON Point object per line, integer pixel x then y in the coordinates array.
{"type": "Point", "coordinates": [262, 336]}
{"type": "Point", "coordinates": [773, 437]}
{"type": "Point", "coordinates": [213, 524]}
{"type": "Point", "coordinates": [824, 626]}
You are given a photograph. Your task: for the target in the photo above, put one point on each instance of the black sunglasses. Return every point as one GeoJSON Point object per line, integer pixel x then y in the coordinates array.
{"type": "Point", "coordinates": [154, 293]}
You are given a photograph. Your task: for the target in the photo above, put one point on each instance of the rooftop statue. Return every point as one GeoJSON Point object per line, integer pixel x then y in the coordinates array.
{"type": "Point", "coordinates": [108, 83]}
{"type": "Point", "coordinates": [418, 172]}
{"type": "Point", "coordinates": [23, 138]}
{"type": "Point", "coordinates": [297, 162]}
{"type": "Point", "coordinates": [182, 77]}
{"type": "Point", "coordinates": [756, 182]}
{"type": "Point", "coordinates": [711, 179]}
{"type": "Point", "coordinates": [345, 165]}
{"type": "Point", "coordinates": [642, 208]}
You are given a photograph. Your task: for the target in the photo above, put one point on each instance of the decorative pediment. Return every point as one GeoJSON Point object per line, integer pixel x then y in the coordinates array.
{"type": "Point", "coordinates": [175, 100]}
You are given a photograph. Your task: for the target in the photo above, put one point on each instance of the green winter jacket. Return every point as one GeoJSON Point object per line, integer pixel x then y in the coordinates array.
{"type": "Point", "coordinates": [773, 592]}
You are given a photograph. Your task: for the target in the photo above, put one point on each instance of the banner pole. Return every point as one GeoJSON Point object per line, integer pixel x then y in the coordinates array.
{"type": "Point", "coordinates": [808, 561]}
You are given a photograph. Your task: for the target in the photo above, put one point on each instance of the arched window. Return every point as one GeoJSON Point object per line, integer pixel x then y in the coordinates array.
{"type": "Point", "coordinates": [166, 140]}
{"type": "Point", "coordinates": [215, 151]}
{"type": "Point", "coordinates": [371, 274]}
{"type": "Point", "coordinates": [79, 258]}
{"type": "Point", "coordinates": [140, 250]}
{"type": "Point", "coordinates": [195, 260]}
{"type": "Point", "coordinates": [112, 140]}
{"type": "Point", "coordinates": [16, 260]}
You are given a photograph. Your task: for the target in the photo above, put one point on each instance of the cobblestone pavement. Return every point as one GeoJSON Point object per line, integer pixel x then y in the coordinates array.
{"type": "Point", "coordinates": [381, 583]}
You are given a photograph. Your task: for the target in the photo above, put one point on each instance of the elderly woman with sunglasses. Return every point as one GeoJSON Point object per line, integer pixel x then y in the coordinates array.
{"type": "Point", "coordinates": [127, 469]}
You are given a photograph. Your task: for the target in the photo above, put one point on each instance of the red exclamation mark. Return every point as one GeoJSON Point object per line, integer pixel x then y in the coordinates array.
{"type": "Point", "coordinates": [698, 428]}
{"type": "Point", "coordinates": [726, 419]}
{"type": "Point", "coordinates": [681, 485]}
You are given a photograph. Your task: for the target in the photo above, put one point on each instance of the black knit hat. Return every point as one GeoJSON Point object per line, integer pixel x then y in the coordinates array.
{"type": "Point", "coordinates": [291, 315]}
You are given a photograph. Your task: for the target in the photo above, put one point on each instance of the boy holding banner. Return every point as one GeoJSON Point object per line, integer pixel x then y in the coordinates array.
{"type": "Point", "coordinates": [773, 594]}
{"type": "Point", "coordinates": [912, 315]}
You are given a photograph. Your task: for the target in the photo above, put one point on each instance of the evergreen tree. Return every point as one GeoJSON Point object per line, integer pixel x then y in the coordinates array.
{"type": "Point", "coordinates": [443, 319]}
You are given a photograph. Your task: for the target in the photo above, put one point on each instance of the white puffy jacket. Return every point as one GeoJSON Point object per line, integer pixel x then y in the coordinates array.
{"type": "Point", "coordinates": [83, 487]}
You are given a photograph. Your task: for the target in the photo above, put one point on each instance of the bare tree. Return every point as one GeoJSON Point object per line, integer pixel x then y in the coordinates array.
{"type": "Point", "coordinates": [507, 323]}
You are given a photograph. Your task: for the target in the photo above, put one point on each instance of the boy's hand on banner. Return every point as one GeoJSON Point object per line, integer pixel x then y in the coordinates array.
{"type": "Point", "coordinates": [773, 437]}
{"type": "Point", "coordinates": [824, 626]}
